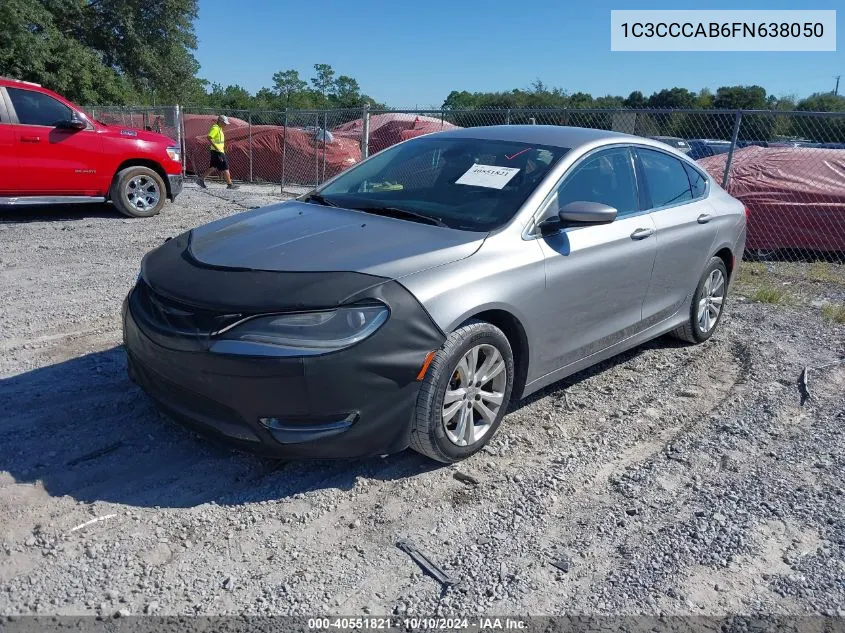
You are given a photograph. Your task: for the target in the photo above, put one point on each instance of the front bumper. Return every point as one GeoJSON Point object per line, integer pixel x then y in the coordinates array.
{"type": "Point", "coordinates": [175, 184]}
{"type": "Point", "coordinates": [353, 403]}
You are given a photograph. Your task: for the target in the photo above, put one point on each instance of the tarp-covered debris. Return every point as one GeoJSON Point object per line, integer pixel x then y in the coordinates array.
{"type": "Point", "coordinates": [306, 159]}
{"type": "Point", "coordinates": [391, 128]}
{"type": "Point", "coordinates": [200, 124]}
{"type": "Point", "coordinates": [795, 196]}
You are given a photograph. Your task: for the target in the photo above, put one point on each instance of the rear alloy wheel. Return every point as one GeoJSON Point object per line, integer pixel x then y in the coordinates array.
{"type": "Point", "coordinates": [708, 303]}
{"type": "Point", "coordinates": [138, 192]}
{"type": "Point", "coordinates": [465, 393]}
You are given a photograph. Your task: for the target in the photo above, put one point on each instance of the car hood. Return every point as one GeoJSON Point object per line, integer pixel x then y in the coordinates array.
{"type": "Point", "coordinates": [138, 135]}
{"type": "Point", "coordinates": [301, 237]}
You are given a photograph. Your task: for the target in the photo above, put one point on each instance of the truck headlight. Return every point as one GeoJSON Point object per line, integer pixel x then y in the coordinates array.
{"type": "Point", "coordinates": [175, 153]}
{"type": "Point", "coordinates": [301, 333]}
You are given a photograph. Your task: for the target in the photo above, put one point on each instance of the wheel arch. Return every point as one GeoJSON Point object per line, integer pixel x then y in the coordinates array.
{"type": "Point", "coordinates": [514, 331]}
{"type": "Point", "coordinates": [144, 162]}
{"type": "Point", "coordinates": [727, 257]}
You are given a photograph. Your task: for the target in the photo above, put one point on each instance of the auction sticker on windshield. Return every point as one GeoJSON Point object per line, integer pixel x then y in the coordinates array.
{"type": "Point", "coordinates": [489, 176]}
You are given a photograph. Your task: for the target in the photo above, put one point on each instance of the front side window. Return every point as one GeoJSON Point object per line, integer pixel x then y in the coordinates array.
{"type": "Point", "coordinates": [34, 108]}
{"type": "Point", "coordinates": [665, 178]}
{"type": "Point", "coordinates": [464, 183]}
{"type": "Point", "coordinates": [606, 177]}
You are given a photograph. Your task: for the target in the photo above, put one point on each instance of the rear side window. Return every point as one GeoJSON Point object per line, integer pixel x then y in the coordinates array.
{"type": "Point", "coordinates": [34, 108]}
{"type": "Point", "coordinates": [665, 177]}
{"type": "Point", "coordinates": [606, 177]}
{"type": "Point", "coordinates": [697, 181]}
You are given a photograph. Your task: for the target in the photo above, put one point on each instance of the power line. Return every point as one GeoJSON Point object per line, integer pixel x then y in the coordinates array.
{"type": "Point", "coordinates": [836, 90]}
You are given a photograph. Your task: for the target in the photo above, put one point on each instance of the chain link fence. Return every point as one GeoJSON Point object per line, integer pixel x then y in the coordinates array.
{"type": "Point", "coordinates": [788, 168]}
{"type": "Point", "coordinates": [165, 120]}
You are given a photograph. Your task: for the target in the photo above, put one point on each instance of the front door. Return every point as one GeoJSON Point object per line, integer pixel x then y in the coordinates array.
{"type": "Point", "coordinates": [52, 161]}
{"type": "Point", "coordinates": [596, 276]}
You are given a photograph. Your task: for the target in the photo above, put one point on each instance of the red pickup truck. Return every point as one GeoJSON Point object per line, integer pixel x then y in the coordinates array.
{"type": "Point", "coordinates": [51, 152]}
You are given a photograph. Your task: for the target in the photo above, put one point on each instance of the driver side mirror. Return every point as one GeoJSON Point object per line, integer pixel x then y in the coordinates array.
{"type": "Point", "coordinates": [579, 213]}
{"type": "Point", "coordinates": [74, 123]}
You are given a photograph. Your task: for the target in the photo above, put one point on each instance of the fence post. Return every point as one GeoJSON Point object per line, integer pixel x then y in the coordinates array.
{"type": "Point", "coordinates": [325, 143]}
{"type": "Point", "coordinates": [250, 145]}
{"type": "Point", "coordinates": [180, 131]}
{"type": "Point", "coordinates": [284, 147]}
{"type": "Point", "coordinates": [317, 154]}
{"type": "Point", "coordinates": [734, 136]}
{"type": "Point", "coordinates": [442, 117]}
{"type": "Point", "coordinates": [365, 131]}
{"type": "Point", "coordinates": [508, 117]}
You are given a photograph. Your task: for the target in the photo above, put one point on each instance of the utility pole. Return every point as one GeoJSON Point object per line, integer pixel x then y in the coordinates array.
{"type": "Point", "coordinates": [836, 90]}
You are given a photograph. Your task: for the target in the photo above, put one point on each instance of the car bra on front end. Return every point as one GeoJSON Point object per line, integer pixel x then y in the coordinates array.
{"type": "Point", "coordinates": [350, 402]}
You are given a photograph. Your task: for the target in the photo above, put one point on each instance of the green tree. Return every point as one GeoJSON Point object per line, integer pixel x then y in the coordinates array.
{"type": "Point", "coordinates": [288, 83]}
{"type": "Point", "coordinates": [672, 98]}
{"type": "Point", "coordinates": [34, 48]}
{"type": "Point", "coordinates": [635, 100]}
{"type": "Point", "coordinates": [323, 81]}
{"type": "Point", "coordinates": [99, 51]}
{"type": "Point", "coordinates": [827, 130]}
{"type": "Point", "coordinates": [346, 93]}
{"type": "Point", "coordinates": [704, 99]}
{"type": "Point", "coordinates": [150, 42]}
{"type": "Point", "coordinates": [822, 102]}
{"type": "Point", "coordinates": [740, 98]}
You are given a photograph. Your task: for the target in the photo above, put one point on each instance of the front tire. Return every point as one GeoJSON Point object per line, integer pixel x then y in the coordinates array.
{"type": "Point", "coordinates": [708, 304]}
{"type": "Point", "coordinates": [465, 393]}
{"type": "Point", "coordinates": [138, 192]}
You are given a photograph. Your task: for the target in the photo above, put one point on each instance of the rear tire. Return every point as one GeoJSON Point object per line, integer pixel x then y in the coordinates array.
{"type": "Point", "coordinates": [476, 397]}
{"type": "Point", "coordinates": [708, 304]}
{"type": "Point", "coordinates": [138, 192]}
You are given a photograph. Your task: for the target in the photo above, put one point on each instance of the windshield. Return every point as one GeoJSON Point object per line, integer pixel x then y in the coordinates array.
{"type": "Point", "coordinates": [463, 183]}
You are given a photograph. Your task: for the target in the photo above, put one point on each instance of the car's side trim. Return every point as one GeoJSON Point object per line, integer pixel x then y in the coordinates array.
{"type": "Point", "coordinates": [28, 200]}
{"type": "Point", "coordinates": [654, 331]}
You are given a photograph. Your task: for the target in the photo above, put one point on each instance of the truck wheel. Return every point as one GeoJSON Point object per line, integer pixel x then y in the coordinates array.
{"type": "Point", "coordinates": [138, 192]}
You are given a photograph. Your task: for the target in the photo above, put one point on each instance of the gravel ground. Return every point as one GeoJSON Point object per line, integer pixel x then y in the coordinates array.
{"type": "Point", "coordinates": [672, 479]}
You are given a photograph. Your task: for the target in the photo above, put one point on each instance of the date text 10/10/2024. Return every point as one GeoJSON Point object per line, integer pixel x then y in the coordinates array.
{"type": "Point", "coordinates": [417, 623]}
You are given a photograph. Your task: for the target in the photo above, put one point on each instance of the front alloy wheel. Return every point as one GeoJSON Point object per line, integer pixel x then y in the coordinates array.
{"type": "Point", "coordinates": [465, 393]}
{"type": "Point", "coordinates": [474, 395]}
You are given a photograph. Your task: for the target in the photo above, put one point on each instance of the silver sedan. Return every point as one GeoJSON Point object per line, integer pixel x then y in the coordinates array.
{"type": "Point", "coordinates": [411, 299]}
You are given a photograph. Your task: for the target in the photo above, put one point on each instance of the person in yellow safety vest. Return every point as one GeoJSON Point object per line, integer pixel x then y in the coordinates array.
{"type": "Point", "coordinates": [217, 139]}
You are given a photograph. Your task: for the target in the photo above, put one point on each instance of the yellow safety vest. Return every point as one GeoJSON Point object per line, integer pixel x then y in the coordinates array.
{"type": "Point", "coordinates": [216, 136]}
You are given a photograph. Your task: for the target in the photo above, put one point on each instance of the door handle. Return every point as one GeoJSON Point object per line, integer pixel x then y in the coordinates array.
{"type": "Point", "coordinates": [30, 139]}
{"type": "Point", "coordinates": [704, 218]}
{"type": "Point", "coordinates": [641, 234]}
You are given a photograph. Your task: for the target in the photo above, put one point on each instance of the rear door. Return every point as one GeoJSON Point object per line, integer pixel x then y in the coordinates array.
{"type": "Point", "coordinates": [596, 276]}
{"type": "Point", "coordinates": [52, 161]}
{"type": "Point", "coordinates": [676, 194]}
{"type": "Point", "coordinates": [9, 169]}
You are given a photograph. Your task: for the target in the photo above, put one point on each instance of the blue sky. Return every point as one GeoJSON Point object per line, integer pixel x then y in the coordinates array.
{"type": "Point", "coordinates": [410, 54]}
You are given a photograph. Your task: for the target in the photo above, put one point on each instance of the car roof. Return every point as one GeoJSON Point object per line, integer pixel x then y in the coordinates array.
{"type": "Point", "coordinates": [554, 135]}
{"type": "Point", "coordinates": [12, 80]}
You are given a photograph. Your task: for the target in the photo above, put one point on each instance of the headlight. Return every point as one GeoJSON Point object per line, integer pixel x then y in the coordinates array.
{"type": "Point", "coordinates": [175, 153]}
{"type": "Point", "coordinates": [301, 333]}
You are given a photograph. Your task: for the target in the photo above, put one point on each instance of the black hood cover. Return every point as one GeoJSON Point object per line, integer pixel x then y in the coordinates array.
{"type": "Point", "coordinates": [172, 272]}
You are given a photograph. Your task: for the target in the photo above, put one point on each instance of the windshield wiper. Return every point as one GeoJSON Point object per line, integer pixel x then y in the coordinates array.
{"type": "Point", "coordinates": [320, 199]}
{"type": "Point", "coordinates": [396, 212]}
